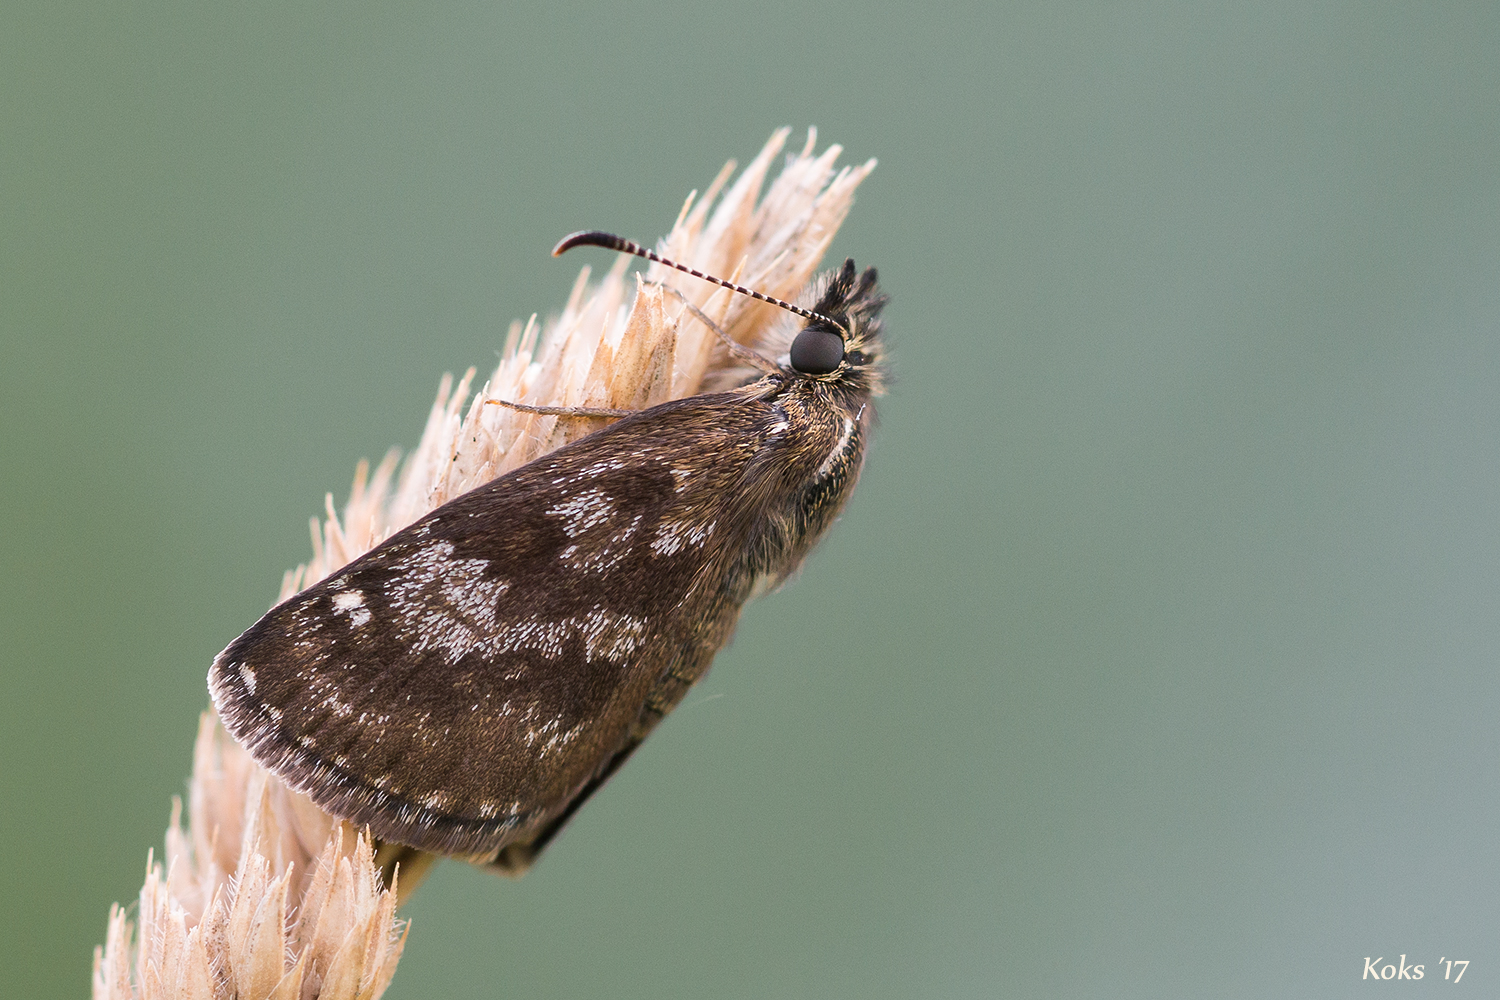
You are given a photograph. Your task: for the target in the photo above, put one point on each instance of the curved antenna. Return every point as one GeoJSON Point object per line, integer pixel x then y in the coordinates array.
{"type": "Point", "coordinates": [595, 238]}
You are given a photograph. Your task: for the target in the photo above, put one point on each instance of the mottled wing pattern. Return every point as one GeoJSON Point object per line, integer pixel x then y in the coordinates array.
{"type": "Point", "coordinates": [459, 685]}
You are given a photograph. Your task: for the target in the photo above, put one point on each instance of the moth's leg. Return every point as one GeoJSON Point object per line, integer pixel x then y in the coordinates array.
{"type": "Point", "coordinates": [736, 348]}
{"type": "Point", "coordinates": [410, 864]}
{"type": "Point", "coordinates": [691, 663]}
{"type": "Point", "coordinates": [564, 411]}
{"type": "Point", "coordinates": [515, 859]}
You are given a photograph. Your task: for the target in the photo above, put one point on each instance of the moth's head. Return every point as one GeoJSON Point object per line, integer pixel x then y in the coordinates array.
{"type": "Point", "coordinates": [838, 341]}
{"type": "Point", "coordinates": [843, 344]}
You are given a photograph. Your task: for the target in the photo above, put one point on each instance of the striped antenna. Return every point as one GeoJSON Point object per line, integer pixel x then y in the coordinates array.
{"type": "Point", "coordinates": [595, 238]}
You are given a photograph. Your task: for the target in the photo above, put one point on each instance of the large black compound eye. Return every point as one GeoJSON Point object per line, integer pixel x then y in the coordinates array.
{"type": "Point", "coordinates": [817, 352]}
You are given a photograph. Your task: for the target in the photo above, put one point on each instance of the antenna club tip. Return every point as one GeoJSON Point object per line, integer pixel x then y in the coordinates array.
{"type": "Point", "coordinates": [586, 238]}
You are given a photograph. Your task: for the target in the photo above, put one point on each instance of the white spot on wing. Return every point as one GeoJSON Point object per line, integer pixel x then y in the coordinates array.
{"type": "Point", "coordinates": [672, 536]}
{"type": "Point", "coordinates": [552, 736]}
{"type": "Point", "coordinates": [442, 602]}
{"type": "Point", "coordinates": [605, 635]}
{"type": "Point", "coordinates": [599, 555]}
{"type": "Point", "coordinates": [583, 511]}
{"type": "Point", "coordinates": [348, 600]}
{"type": "Point", "coordinates": [600, 468]}
{"type": "Point", "coordinates": [352, 603]}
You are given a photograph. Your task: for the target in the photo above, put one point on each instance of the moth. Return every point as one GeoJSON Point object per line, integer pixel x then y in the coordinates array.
{"type": "Point", "coordinates": [466, 685]}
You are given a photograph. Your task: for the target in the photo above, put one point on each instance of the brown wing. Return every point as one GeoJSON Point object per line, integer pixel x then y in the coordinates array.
{"type": "Point", "coordinates": [458, 686]}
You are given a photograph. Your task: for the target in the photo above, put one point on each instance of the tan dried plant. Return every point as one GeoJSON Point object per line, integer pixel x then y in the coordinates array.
{"type": "Point", "coordinates": [264, 895]}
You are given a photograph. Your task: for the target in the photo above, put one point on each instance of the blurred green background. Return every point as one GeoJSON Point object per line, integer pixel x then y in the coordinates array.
{"type": "Point", "coordinates": [1156, 654]}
